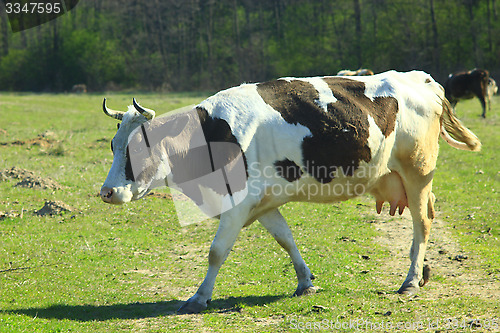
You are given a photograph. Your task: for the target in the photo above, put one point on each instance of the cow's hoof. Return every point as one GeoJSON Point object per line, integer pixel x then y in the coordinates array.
{"type": "Point", "coordinates": [305, 291]}
{"type": "Point", "coordinates": [192, 306]}
{"type": "Point", "coordinates": [408, 290]}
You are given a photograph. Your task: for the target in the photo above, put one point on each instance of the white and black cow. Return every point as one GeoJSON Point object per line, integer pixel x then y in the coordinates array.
{"type": "Point", "coordinates": [491, 90]}
{"type": "Point", "coordinates": [373, 134]}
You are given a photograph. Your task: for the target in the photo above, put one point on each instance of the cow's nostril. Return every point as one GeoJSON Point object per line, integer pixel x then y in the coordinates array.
{"type": "Point", "coordinates": [107, 194]}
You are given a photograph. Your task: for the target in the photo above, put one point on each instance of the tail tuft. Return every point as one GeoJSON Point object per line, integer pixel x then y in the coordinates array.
{"type": "Point", "coordinates": [455, 133]}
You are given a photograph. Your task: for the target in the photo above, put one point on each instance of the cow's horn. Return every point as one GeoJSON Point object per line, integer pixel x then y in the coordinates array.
{"type": "Point", "coordinates": [149, 114]}
{"type": "Point", "coordinates": [111, 113]}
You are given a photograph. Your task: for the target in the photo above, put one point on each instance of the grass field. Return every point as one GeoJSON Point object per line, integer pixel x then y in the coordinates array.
{"type": "Point", "coordinates": [103, 268]}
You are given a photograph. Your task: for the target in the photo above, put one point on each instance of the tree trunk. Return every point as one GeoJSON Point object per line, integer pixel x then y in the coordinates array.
{"type": "Point", "coordinates": [4, 26]}
{"type": "Point", "coordinates": [277, 16]}
{"type": "Point", "coordinates": [472, 28]}
{"type": "Point", "coordinates": [435, 40]}
{"type": "Point", "coordinates": [161, 36]}
{"type": "Point", "coordinates": [488, 20]}
{"type": "Point", "coordinates": [357, 43]}
{"type": "Point", "coordinates": [237, 43]}
{"type": "Point", "coordinates": [210, 25]}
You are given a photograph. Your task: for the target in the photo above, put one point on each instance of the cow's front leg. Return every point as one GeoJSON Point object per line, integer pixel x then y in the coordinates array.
{"type": "Point", "coordinates": [221, 246]}
{"type": "Point", "coordinates": [483, 105]}
{"type": "Point", "coordinates": [276, 225]}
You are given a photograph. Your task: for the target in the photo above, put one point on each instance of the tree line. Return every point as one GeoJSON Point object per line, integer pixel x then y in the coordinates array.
{"type": "Point", "coordinates": [185, 45]}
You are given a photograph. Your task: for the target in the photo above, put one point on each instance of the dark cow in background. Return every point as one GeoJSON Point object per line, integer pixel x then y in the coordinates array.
{"type": "Point", "coordinates": [466, 85]}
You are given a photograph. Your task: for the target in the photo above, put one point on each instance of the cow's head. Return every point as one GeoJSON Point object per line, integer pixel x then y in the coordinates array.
{"type": "Point", "coordinates": [140, 161]}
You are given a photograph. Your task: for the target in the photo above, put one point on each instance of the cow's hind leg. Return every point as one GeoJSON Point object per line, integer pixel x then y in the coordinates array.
{"type": "Point", "coordinates": [276, 224]}
{"type": "Point", "coordinates": [421, 204]}
{"type": "Point", "coordinates": [453, 104]}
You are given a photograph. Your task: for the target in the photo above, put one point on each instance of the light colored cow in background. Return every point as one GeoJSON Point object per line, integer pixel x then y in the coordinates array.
{"type": "Point", "coordinates": [359, 72]}
{"type": "Point", "coordinates": [317, 139]}
{"type": "Point", "coordinates": [79, 88]}
{"type": "Point", "coordinates": [492, 90]}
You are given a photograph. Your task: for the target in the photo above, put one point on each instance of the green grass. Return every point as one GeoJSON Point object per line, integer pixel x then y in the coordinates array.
{"type": "Point", "coordinates": [468, 185]}
{"type": "Point", "coordinates": [106, 268]}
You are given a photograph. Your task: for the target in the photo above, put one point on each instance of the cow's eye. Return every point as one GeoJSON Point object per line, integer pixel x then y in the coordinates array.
{"type": "Point", "coordinates": [136, 149]}
{"type": "Point", "coordinates": [118, 126]}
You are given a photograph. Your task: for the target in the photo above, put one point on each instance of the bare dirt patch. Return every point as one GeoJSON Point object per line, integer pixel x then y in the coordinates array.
{"type": "Point", "coordinates": [160, 195]}
{"type": "Point", "coordinates": [54, 208]}
{"type": "Point", "coordinates": [177, 196]}
{"type": "Point", "coordinates": [44, 140]}
{"type": "Point", "coordinates": [10, 214]}
{"type": "Point", "coordinates": [29, 179]}
{"type": "Point", "coordinates": [15, 173]}
{"type": "Point", "coordinates": [38, 182]}
{"type": "Point", "coordinates": [459, 270]}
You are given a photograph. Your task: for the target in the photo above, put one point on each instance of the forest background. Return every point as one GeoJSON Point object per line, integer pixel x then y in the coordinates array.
{"type": "Point", "coordinates": [188, 45]}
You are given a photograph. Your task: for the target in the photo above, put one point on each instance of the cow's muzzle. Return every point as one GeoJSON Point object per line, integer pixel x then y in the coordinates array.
{"type": "Point", "coordinates": [113, 195]}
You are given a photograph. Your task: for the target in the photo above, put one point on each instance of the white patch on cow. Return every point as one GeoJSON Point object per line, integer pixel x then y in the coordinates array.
{"type": "Point", "coordinates": [381, 88]}
{"type": "Point", "coordinates": [325, 93]}
{"type": "Point", "coordinates": [380, 147]}
{"type": "Point", "coordinates": [163, 168]}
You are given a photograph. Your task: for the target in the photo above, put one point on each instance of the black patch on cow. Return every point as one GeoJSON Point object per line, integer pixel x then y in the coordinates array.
{"type": "Point", "coordinates": [288, 169]}
{"type": "Point", "coordinates": [339, 137]}
{"type": "Point", "coordinates": [129, 173]}
{"type": "Point", "coordinates": [218, 130]}
{"type": "Point", "coordinates": [351, 95]}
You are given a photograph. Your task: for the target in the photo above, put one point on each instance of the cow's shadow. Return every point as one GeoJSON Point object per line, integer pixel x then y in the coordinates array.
{"type": "Point", "coordinates": [85, 313]}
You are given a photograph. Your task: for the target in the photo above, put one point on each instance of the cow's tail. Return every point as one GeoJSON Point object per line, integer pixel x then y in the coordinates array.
{"type": "Point", "coordinates": [455, 133]}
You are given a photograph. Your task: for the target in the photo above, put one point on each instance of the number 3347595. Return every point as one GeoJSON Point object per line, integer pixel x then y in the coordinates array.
{"type": "Point", "coordinates": [33, 8]}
